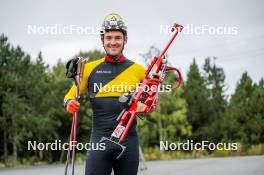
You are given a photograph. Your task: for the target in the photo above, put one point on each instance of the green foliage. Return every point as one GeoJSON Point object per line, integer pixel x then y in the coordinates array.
{"type": "Point", "coordinates": [256, 150]}
{"type": "Point", "coordinates": [31, 101]}
{"type": "Point", "coordinates": [215, 83]}
{"type": "Point", "coordinates": [245, 115]}
{"type": "Point", "coordinates": [197, 98]}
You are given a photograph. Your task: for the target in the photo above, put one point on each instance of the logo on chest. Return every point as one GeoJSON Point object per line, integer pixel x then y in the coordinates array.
{"type": "Point", "coordinates": [103, 72]}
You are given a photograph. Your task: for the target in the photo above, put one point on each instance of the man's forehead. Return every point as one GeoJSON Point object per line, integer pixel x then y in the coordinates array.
{"type": "Point", "coordinates": [113, 33]}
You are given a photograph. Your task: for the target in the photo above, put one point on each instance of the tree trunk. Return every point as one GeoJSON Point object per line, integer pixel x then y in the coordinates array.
{"type": "Point", "coordinates": [40, 151]}
{"type": "Point", "coordinates": [14, 125]}
{"type": "Point", "coordinates": [160, 128]}
{"type": "Point", "coordinates": [5, 141]}
{"type": "Point", "coordinates": [14, 144]}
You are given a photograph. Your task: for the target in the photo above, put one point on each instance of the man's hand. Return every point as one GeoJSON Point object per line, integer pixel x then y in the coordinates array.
{"type": "Point", "coordinates": [72, 106]}
{"type": "Point", "coordinates": [141, 107]}
{"type": "Point", "coordinates": [153, 81]}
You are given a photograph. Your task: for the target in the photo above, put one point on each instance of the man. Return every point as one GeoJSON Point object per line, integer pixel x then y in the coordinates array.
{"type": "Point", "coordinates": [101, 79]}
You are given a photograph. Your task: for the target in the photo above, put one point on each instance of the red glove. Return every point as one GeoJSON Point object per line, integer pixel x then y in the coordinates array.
{"type": "Point", "coordinates": [72, 106]}
{"type": "Point", "coordinates": [153, 81]}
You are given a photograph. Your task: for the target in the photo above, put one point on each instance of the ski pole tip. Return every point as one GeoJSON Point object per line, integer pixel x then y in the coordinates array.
{"type": "Point", "coordinates": [177, 27]}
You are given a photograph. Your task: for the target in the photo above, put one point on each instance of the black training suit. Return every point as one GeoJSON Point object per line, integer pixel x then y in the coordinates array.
{"type": "Point", "coordinates": [105, 81]}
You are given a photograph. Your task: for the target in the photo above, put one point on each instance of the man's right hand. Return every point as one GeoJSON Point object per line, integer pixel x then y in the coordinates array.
{"type": "Point", "coordinates": [72, 106]}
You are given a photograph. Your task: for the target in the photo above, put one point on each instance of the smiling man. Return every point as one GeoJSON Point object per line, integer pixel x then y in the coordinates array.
{"type": "Point", "coordinates": [113, 70]}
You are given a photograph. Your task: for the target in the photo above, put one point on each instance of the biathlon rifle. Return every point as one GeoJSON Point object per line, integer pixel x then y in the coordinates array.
{"type": "Point", "coordinates": [144, 94]}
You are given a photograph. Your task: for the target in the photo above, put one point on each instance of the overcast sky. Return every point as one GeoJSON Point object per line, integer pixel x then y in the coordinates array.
{"type": "Point", "coordinates": [239, 49]}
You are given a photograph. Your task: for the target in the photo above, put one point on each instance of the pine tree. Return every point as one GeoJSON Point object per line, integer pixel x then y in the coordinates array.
{"type": "Point", "coordinates": [238, 115]}
{"type": "Point", "coordinates": [198, 105]}
{"type": "Point", "coordinates": [14, 65]}
{"type": "Point", "coordinates": [256, 121]}
{"type": "Point", "coordinates": [215, 83]}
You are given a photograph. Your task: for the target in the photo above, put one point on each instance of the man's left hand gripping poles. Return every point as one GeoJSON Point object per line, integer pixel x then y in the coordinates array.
{"type": "Point", "coordinates": [72, 140]}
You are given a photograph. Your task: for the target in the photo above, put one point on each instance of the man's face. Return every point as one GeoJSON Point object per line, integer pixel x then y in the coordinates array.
{"type": "Point", "coordinates": [113, 42]}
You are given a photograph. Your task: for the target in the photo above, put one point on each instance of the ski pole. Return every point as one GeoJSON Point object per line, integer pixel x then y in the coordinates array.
{"type": "Point", "coordinates": [72, 138]}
